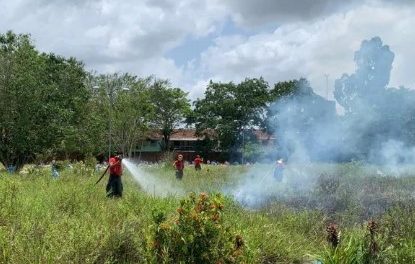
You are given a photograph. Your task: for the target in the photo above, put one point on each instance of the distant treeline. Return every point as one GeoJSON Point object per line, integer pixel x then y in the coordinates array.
{"type": "Point", "coordinates": [51, 107]}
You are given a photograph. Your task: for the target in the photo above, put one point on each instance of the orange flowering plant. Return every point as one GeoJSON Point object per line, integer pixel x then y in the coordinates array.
{"type": "Point", "coordinates": [196, 233]}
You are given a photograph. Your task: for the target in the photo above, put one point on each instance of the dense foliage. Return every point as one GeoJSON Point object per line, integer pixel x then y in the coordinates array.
{"type": "Point", "coordinates": [52, 108]}
{"type": "Point", "coordinates": [171, 107]}
{"type": "Point", "coordinates": [233, 110]}
{"type": "Point", "coordinates": [42, 100]}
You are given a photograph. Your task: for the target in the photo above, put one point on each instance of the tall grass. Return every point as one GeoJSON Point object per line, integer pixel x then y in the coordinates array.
{"type": "Point", "coordinates": [69, 220]}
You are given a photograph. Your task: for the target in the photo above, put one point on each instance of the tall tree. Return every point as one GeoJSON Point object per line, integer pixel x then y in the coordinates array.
{"type": "Point", "coordinates": [362, 90]}
{"type": "Point", "coordinates": [121, 110]}
{"type": "Point", "coordinates": [19, 67]}
{"type": "Point", "coordinates": [374, 112]}
{"type": "Point", "coordinates": [170, 106]}
{"type": "Point", "coordinates": [132, 115]}
{"type": "Point", "coordinates": [280, 92]}
{"type": "Point", "coordinates": [67, 96]}
{"type": "Point", "coordinates": [233, 110]}
{"type": "Point", "coordinates": [299, 117]}
{"type": "Point", "coordinates": [42, 98]}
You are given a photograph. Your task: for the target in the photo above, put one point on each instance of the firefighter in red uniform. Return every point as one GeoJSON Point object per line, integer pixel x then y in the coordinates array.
{"type": "Point", "coordinates": [179, 166]}
{"type": "Point", "coordinates": [198, 160]}
{"type": "Point", "coordinates": [114, 185]}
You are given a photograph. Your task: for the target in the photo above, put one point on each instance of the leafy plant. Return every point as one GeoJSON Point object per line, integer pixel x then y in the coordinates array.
{"type": "Point", "coordinates": [196, 234]}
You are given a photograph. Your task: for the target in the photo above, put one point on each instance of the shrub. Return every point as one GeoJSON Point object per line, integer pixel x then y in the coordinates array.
{"type": "Point", "coordinates": [196, 234]}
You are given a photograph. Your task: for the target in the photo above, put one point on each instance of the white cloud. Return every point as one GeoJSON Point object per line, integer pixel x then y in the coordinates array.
{"type": "Point", "coordinates": [110, 34]}
{"type": "Point", "coordinates": [313, 37]}
{"type": "Point", "coordinates": [304, 49]}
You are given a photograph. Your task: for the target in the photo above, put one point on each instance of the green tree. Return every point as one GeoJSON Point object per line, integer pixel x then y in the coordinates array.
{"type": "Point", "coordinates": [233, 110]}
{"type": "Point", "coordinates": [42, 100]}
{"type": "Point", "coordinates": [171, 107]}
{"type": "Point", "coordinates": [67, 97]}
{"type": "Point", "coordinates": [121, 110]}
{"type": "Point", "coordinates": [132, 115]}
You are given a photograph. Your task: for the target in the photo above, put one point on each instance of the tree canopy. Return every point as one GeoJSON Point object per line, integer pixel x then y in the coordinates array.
{"type": "Point", "coordinates": [233, 110]}
{"type": "Point", "coordinates": [42, 101]}
{"type": "Point", "coordinates": [170, 106]}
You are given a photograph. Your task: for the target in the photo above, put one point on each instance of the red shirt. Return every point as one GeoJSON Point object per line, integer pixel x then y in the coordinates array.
{"type": "Point", "coordinates": [115, 166]}
{"type": "Point", "coordinates": [179, 164]}
{"type": "Point", "coordinates": [197, 161]}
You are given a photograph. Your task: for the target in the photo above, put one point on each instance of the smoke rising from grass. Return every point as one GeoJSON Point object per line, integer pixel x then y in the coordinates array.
{"type": "Point", "coordinates": [376, 128]}
{"type": "Point", "coordinates": [150, 183]}
{"type": "Point", "coordinates": [259, 185]}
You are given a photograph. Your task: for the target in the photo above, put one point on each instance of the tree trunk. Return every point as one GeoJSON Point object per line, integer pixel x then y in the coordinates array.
{"type": "Point", "coordinates": [166, 139]}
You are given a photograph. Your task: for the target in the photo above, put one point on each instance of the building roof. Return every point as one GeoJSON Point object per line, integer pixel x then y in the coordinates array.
{"type": "Point", "coordinates": [185, 135]}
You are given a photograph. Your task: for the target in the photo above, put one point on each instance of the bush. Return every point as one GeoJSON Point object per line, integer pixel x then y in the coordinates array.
{"type": "Point", "coordinates": [196, 234]}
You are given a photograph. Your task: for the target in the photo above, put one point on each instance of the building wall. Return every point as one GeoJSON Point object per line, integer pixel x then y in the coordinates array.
{"type": "Point", "coordinates": [151, 157]}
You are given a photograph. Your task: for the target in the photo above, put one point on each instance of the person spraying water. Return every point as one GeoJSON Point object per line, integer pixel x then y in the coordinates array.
{"type": "Point", "coordinates": [114, 186]}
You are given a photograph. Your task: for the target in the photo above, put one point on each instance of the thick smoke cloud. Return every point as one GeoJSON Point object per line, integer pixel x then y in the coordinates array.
{"type": "Point", "coordinates": [303, 123]}
{"type": "Point", "coordinates": [376, 116]}
{"type": "Point", "coordinates": [377, 127]}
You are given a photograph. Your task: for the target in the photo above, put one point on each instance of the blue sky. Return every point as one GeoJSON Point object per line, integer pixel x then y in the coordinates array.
{"type": "Point", "coordinates": [193, 41]}
{"type": "Point", "coordinates": [191, 46]}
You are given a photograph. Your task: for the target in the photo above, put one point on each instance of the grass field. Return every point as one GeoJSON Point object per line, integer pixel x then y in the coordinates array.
{"type": "Point", "coordinates": [69, 220]}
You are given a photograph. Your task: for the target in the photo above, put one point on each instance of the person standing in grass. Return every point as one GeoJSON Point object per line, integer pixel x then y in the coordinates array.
{"type": "Point", "coordinates": [179, 166]}
{"type": "Point", "coordinates": [114, 186]}
{"type": "Point", "coordinates": [279, 170]}
{"type": "Point", "coordinates": [198, 161]}
{"type": "Point", "coordinates": [54, 168]}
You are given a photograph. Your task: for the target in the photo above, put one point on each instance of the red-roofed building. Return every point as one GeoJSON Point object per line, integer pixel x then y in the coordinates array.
{"type": "Point", "coordinates": [186, 142]}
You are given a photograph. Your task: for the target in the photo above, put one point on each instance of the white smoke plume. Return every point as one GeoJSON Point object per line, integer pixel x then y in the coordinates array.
{"type": "Point", "coordinates": [376, 128]}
